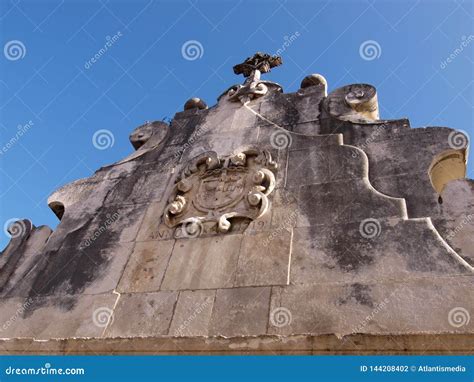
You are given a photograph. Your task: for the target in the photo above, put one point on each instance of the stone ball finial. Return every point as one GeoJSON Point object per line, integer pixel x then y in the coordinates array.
{"type": "Point", "coordinates": [314, 80]}
{"type": "Point", "coordinates": [195, 103]}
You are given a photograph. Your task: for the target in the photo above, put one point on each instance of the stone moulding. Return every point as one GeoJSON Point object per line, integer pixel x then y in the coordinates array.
{"type": "Point", "coordinates": [212, 190]}
{"type": "Point", "coordinates": [253, 88]}
{"type": "Point", "coordinates": [355, 344]}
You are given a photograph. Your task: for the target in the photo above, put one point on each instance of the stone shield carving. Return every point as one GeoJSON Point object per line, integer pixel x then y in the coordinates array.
{"type": "Point", "coordinates": [211, 191]}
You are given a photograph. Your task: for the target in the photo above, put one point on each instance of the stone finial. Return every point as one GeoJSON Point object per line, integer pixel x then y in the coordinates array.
{"type": "Point", "coordinates": [356, 103]}
{"type": "Point", "coordinates": [362, 98]}
{"type": "Point", "coordinates": [252, 68]}
{"type": "Point", "coordinates": [314, 80]}
{"type": "Point", "coordinates": [195, 103]}
{"type": "Point", "coordinates": [146, 132]}
{"type": "Point", "coordinates": [262, 62]}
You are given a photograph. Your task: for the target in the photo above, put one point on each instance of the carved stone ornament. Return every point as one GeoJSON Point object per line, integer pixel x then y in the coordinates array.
{"type": "Point", "coordinates": [252, 68]}
{"type": "Point", "coordinates": [211, 191]}
{"type": "Point", "coordinates": [262, 62]}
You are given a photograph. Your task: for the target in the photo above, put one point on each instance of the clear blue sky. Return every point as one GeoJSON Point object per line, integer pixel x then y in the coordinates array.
{"type": "Point", "coordinates": [47, 77]}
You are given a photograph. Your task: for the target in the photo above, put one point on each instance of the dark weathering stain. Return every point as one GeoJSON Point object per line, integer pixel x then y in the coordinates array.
{"type": "Point", "coordinates": [69, 270]}
{"type": "Point", "coordinates": [349, 253]}
{"type": "Point", "coordinates": [9, 268]}
{"type": "Point", "coordinates": [349, 257]}
{"type": "Point", "coordinates": [446, 229]}
{"type": "Point", "coordinates": [288, 114]}
{"type": "Point", "coordinates": [359, 293]}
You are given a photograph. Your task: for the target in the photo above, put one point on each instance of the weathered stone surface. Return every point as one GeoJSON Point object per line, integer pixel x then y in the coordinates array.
{"type": "Point", "coordinates": [322, 254]}
{"type": "Point", "coordinates": [55, 317]}
{"type": "Point", "coordinates": [240, 312]}
{"type": "Point", "coordinates": [327, 203]}
{"type": "Point", "coordinates": [346, 309]}
{"type": "Point", "coordinates": [72, 196]}
{"type": "Point", "coordinates": [206, 263]}
{"type": "Point", "coordinates": [455, 222]}
{"type": "Point", "coordinates": [146, 184]}
{"type": "Point", "coordinates": [308, 165]}
{"type": "Point", "coordinates": [356, 344]}
{"type": "Point", "coordinates": [146, 267]}
{"type": "Point", "coordinates": [268, 251]}
{"type": "Point", "coordinates": [142, 314]}
{"type": "Point", "coordinates": [71, 271]}
{"type": "Point", "coordinates": [328, 164]}
{"type": "Point", "coordinates": [151, 227]}
{"type": "Point", "coordinates": [301, 310]}
{"type": "Point", "coordinates": [289, 110]}
{"type": "Point", "coordinates": [411, 187]}
{"type": "Point", "coordinates": [192, 314]}
{"type": "Point", "coordinates": [21, 254]}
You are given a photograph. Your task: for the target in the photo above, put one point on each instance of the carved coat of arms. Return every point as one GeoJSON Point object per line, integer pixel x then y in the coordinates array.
{"type": "Point", "coordinates": [213, 191]}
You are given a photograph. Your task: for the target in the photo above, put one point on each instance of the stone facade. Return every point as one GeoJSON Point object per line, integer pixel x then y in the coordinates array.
{"type": "Point", "coordinates": [271, 222]}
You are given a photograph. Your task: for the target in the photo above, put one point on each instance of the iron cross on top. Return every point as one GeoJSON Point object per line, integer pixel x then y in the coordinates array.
{"type": "Point", "coordinates": [259, 61]}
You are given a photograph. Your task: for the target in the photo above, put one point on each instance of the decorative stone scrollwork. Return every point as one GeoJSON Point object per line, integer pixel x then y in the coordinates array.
{"type": "Point", "coordinates": [211, 191]}
{"type": "Point", "coordinates": [356, 103]}
{"type": "Point", "coordinates": [252, 68]}
{"type": "Point", "coordinates": [363, 99]}
{"type": "Point", "coordinates": [252, 88]}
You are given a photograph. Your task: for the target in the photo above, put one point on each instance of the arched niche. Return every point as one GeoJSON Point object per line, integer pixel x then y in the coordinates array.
{"type": "Point", "coordinates": [57, 208]}
{"type": "Point", "coordinates": [447, 166]}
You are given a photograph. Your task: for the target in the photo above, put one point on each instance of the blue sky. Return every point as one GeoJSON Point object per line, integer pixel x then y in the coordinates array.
{"type": "Point", "coordinates": [47, 76]}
